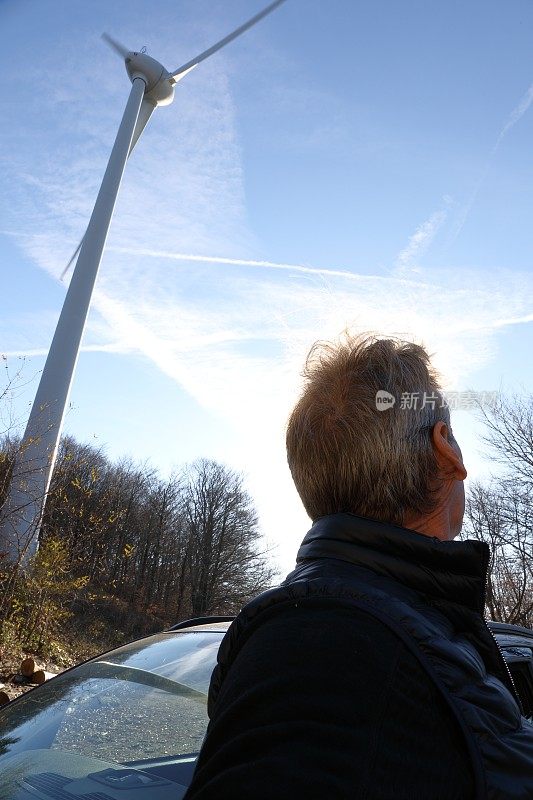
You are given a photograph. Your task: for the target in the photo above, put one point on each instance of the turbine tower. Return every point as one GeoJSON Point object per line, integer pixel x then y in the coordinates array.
{"type": "Point", "coordinates": [152, 86]}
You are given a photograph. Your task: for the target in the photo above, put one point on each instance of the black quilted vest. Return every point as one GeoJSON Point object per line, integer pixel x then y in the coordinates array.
{"type": "Point", "coordinates": [432, 595]}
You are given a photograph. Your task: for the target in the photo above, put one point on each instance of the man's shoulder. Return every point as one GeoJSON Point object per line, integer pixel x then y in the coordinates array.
{"type": "Point", "coordinates": [305, 624]}
{"type": "Point", "coordinates": [320, 595]}
{"type": "Point", "coordinates": [315, 641]}
{"type": "Point", "coordinates": [329, 585]}
{"type": "Point", "coordinates": [320, 622]}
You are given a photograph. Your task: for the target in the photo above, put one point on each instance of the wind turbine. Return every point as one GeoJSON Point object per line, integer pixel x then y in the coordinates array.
{"type": "Point", "coordinates": [152, 86]}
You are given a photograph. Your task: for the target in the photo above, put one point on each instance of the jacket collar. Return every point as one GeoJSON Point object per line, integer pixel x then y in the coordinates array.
{"type": "Point", "coordinates": [451, 571]}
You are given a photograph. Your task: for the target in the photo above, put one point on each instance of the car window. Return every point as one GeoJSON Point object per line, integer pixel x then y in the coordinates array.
{"type": "Point", "coordinates": [126, 721]}
{"type": "Point", "coordinates": [519, 659]}
{"type": "Point", "coordinates": [189, 660]}
{"type": "Point", "coordinates": [144, 705]}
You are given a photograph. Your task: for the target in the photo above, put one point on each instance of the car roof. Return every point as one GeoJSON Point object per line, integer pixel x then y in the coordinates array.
{"type": "Point", "coordinates": [215, 627]}
{"type": "Point", "coordinates": [509, 635]}
{"type": "Point", "coordinates": [213, 623]}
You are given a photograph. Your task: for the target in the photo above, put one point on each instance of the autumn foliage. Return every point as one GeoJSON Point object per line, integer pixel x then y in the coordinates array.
{"type": "Point", "coordinates": [124, 550]}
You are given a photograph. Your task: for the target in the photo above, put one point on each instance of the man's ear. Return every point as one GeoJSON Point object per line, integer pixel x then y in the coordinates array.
{"type": "Point", "coordinates": [447, 452]}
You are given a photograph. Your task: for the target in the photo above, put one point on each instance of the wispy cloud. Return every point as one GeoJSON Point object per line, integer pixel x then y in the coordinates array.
{"type": "Point", "coordinates": [257, 328]}
{"type": "Point", "coordinates": [419, 242]}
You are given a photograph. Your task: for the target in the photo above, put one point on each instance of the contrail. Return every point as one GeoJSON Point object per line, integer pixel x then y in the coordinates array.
{"type": "Point", "coordinates": [245, 262]}
{"type": "Point", "coordinates": [419, 242]}
{"type": "Point", "coordinates": [515, 116]}
{"type": "Point", "coordinates": [237, 262]}
{"type": "Point", "coordinates": [43, 351]}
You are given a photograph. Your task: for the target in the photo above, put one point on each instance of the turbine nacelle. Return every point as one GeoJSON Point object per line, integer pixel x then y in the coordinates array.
{"type": "Point", "coordinates": [159, 88]}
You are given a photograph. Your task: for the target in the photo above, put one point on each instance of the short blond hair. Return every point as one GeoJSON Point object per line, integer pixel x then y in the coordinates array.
{"type": "Point", "coordinates": [347, 455]}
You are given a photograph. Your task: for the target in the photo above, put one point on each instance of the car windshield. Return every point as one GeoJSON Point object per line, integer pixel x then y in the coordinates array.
{"type": "Point", "coordinates": [136, 714]}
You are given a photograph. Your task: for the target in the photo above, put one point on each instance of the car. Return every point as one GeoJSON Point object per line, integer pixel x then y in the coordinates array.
{"type": "Point", "coordinates": [134, 718]}
{"type": "Point", "coordinates": [130, 719]}
{"type": "Point", "coordinates": [516, 644]}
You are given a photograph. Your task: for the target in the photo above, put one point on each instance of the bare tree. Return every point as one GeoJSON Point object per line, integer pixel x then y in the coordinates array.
{"type": "Point", "coordinates": [501, 512]}
{"type": "Point", "coordinates": [502, 517]}
{"type": "Point", "coordinates": [225, 563]}
{"type": "Point", "coordinates": [509, 436]}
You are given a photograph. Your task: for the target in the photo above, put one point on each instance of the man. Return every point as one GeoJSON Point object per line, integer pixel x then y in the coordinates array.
{"type": "Point", "coordinates": [370, 672]}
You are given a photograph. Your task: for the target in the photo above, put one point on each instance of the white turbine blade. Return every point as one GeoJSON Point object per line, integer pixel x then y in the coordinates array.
{"type": "Point", "coordinates": [181, 74]}
{"type": "Point", "coordinates": [72, 258]}
{"type": "Point", "coordinates": [145, 112]}
{"type": "Point", "coordinates": [116, 46]}
{"type": "Point", "coordinates": [229, 38]}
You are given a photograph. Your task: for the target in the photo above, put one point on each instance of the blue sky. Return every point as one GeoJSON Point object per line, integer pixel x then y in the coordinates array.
{"type": "Point", "coordinates": [345, 163]}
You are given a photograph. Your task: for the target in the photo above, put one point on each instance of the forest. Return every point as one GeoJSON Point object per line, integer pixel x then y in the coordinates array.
{"type": "Point", "coordinates": [124, 551]}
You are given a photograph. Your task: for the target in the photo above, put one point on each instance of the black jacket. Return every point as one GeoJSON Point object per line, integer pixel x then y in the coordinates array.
{"type": "Point", "coordinates": [369, 673]}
